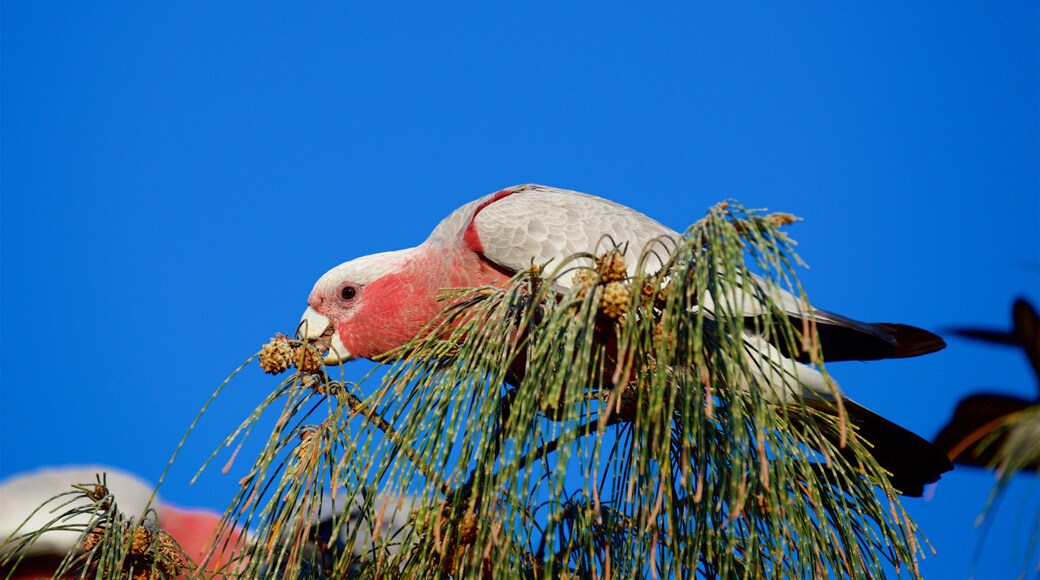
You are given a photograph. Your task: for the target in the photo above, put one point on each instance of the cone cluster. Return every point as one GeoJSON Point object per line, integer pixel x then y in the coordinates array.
{"type": "Point", "coordinates": [610, 272]}
{"type": "Point", "coordinates": [281, 353]}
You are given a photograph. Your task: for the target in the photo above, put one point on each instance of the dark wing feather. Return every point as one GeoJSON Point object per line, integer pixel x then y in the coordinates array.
{"type": "Point", "coordinates": [844, 339]}
{"type": "Point", "coordinates": [1026, 323]}
{"type": "Point", "coordinates": [968, 438]}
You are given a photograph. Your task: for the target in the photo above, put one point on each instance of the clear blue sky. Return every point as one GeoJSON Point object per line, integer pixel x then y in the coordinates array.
{"type": "Point", "coordinates": [175, 177]}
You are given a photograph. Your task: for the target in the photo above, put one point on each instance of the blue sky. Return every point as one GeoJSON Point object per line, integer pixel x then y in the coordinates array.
{"type": "Point", "coordinates": [175, 177]}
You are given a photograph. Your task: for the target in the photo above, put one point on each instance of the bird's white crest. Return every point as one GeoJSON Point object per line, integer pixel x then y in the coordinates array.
{"type": "Point", "coordinates": [365, 269]}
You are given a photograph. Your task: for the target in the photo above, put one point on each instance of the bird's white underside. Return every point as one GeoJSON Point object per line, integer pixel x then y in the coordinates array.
{"type": "Point", "coordinates": [366, 268]}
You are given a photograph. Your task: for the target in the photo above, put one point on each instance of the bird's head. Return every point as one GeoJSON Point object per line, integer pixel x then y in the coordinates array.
{"type": "Point", "coordinates": [347, 306]}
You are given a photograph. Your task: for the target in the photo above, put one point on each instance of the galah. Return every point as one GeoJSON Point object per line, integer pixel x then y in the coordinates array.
{"type": "Point", "coordinates": [340, 528]}
{"type": "Point", "coordinates": [22, 494]}
{"type": "Point", "coordinates": [373, 304]}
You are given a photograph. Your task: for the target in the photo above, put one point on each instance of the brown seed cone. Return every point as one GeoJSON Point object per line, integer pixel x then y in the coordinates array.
{"type": "Point", "coordinates": [307, 359]}
{"type": "Point", "coordinates": [615, 299]}
{"type": "Point", "coordinates": [93, 538]}
{"type": "Point", "coordinates": [141, 541]}
{"type": "Point", "coordinates": [611, 267]}
{"type": "Point", "coordinates": [648, 292]}
{"type": "Point", "coordinates": [98, 492]}
{"type": "Point", "coordinates": [468, 529]}
{"type": "Point", "coordinates": [779, 219]}
{"type": "Point", "coordinates": [583, 280]}
{"type": "Point", "coordinates": [171, 558]}
{"type": "Point", "coordinates": [276, 356]}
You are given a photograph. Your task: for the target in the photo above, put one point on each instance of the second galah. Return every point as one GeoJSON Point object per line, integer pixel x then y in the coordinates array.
{"type": "Point", "coordinates": [373, 304]}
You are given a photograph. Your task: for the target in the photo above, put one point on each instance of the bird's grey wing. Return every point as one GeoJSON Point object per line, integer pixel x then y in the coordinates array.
{"type": "Point", "coordinates": [526, 223]}
{"type": "Point", "coordinates": [545, 224]}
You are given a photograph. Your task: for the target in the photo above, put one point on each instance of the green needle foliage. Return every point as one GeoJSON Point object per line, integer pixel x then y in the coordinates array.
{"type": "Point", "coordinates": [620, 428]}
{"type": "Point", "coordinates": [1019, 453]}
{"type": "Point", "coordinates": [1021, 450]}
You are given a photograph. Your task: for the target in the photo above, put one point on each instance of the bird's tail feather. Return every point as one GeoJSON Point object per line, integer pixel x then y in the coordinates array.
{"type": "Point", "coordinates": [911, 460]}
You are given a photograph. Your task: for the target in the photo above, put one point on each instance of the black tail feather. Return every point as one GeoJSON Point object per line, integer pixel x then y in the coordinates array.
{"type": "Point", "coordinates": [911, 460]}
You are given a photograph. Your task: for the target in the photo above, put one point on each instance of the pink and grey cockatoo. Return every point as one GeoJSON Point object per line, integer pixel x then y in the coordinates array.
{"type": "Point", "coordinates": [340, 528]}
{"type": "Point", "coordinates": [22, 494]}
{"type": "Point", "coordinates": [375, 303]}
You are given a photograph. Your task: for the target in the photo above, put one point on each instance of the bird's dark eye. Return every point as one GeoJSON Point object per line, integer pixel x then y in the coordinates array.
{"type": "Point", "coordinates": [348, 292]}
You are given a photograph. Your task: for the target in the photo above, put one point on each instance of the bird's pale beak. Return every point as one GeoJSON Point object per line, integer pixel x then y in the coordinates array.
{"type": "Point", "coordinates": [319, 329]}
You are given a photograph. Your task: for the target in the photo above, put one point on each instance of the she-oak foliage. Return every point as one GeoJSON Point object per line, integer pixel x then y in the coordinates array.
{"type": "Point", "coordinates": [612, 430]}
